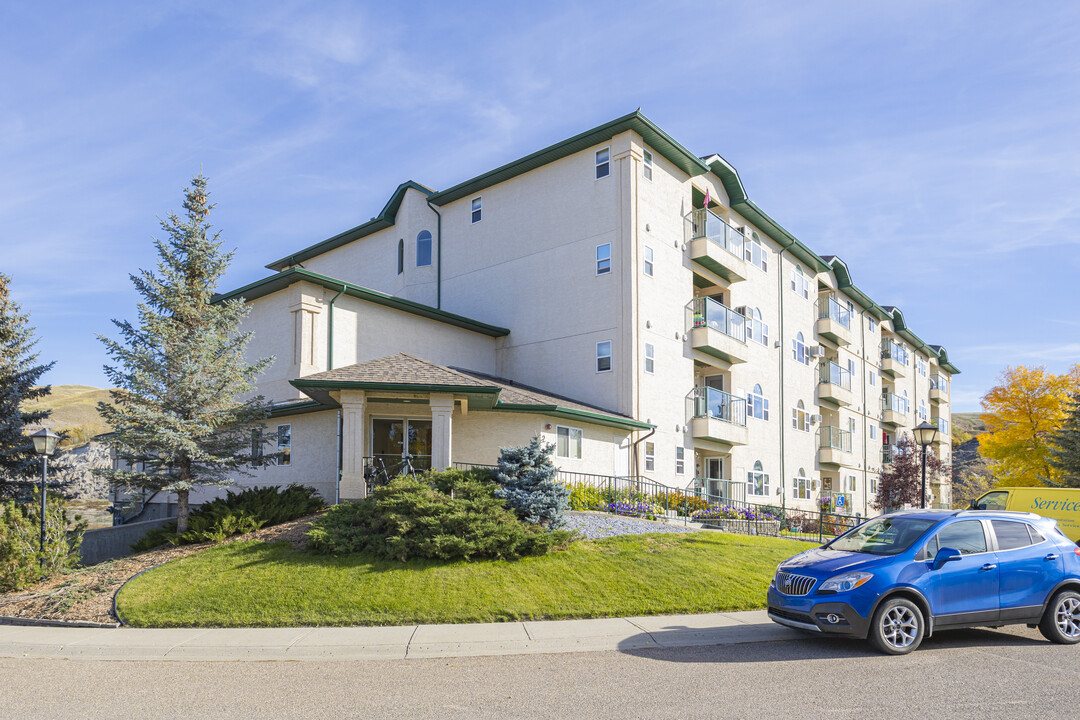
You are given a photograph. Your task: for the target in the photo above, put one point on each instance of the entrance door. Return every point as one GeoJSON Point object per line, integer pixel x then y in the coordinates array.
{"type": "Point", "coordinates": [714, 474]}
{"type": "Point", "coordinates": [392, 440]}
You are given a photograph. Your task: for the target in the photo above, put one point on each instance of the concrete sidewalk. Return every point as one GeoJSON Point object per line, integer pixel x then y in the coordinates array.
{"type": "Point", "coordinates": [412, 641]}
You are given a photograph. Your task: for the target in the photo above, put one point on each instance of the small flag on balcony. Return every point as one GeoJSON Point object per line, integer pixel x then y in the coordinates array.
{"type": "Point", "coordinates": [706, 205]}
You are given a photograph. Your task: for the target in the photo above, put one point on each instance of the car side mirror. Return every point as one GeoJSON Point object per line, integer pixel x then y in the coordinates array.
{"type": "Point", "coordinates": [946, 555]}
{"type": "Point", "coordinates": [974, 505]}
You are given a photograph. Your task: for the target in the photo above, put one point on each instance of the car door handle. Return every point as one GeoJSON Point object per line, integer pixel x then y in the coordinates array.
{"type": "Point", "coordinates": [988, 566]}
{"type": "Point", "coordinates": [1051, 556]}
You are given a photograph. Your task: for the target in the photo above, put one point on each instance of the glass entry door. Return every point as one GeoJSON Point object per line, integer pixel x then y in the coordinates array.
{"type": "Point", "coordinates": [392, 440]}
{"type": "Point", "coordinates": [714, 473]}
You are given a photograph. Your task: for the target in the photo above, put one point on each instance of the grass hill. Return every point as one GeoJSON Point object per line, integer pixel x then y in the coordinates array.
{"type": "Point", "coordinates": [970, 423]}
{"type": "Point", "coordinates": [74, 408]}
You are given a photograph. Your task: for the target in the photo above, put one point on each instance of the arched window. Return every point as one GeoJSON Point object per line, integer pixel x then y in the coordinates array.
{"type": "Point", "coordinates": [423, 249]}
{"type": "Point", "coordinates": [799, 284]}
{"type": "Point", "coordinates": [758, 404]}
{"type": "Point", "coordinates": [757, 481]}
{"type": "Point", "coordinates": [801, 485]}
{"type": "Point", "coordinates": [798, 350]}
{"type": "Point", "coordinates": [759, 331]}
{"type": "Point", "coordinates": [756, 253]}
{"type": "Point", "coordinates": [401, 256]}
{"type": "Point", "coordinates": [800, 419]}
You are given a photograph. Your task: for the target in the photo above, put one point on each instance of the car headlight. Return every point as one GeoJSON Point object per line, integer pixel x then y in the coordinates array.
{"type": "Point", "coordinates": [845, 582]}
{"type": "Point", "coordinates": [772, 582]}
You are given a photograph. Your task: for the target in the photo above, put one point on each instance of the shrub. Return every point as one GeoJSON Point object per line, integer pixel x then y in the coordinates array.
{"type": "Point", "coordinates": [20, 542]}
{"type": "Point", "coordinates": [527, 483]}
{"type": "Point", "coordinates": [588, 497]}
{"type": "Point", "coordinates": [237, 513]}
{"type": "Point", "coordinates": [730, 512]}
{"type": "Point", "coordinates": [448, 515]}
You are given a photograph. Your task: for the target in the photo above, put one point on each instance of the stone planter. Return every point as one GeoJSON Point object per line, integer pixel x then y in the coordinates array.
{"type": "Point", "coordinates": [746, 527]}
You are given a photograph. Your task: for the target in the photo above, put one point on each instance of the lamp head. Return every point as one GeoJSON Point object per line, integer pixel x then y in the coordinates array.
{"type": "Point", "coordinates": [45, 441]}
{"type": "Point", "coordinates": [924, 433]}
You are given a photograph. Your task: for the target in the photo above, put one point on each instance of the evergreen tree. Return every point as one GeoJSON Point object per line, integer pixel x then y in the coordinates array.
{"type": "Point", "coordinates": [1065, 445]}
{"type": "Point", "coordinates": [527, 483]}
{"type": "Point", "coordinates": [19, 377]}
{"type": "Point", "coordinates": [177, 416]}
{"type": "Point", "coordinates": [900, 482]}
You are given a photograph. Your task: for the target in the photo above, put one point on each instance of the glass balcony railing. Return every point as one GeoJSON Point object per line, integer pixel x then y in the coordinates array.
{"type": "Point", "coordinates": [939, 382]}
{"type": "Point", "coordinates": [894, 350]}
{"type": "Point", "coordinates": [941, 424]}
{"type": "Point", "coordinates": [706, 312]}
{"type": "Point", "coordinates": [829, 308]}
{"type": "Point", "coordinates": [833, 374]}
{"type": "Point", "coordinates": [719, 405]}
{"type": "Point", "coordinates": [896, 403]}
{"type": "Point", "coordinates": [834, 438]}
{"type": "Point", "coordinates": [706, 223]}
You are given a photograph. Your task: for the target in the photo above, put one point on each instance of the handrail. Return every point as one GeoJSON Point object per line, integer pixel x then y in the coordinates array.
{"type": "Point", "coordinates": [833, 374]}
{"type": "Point", "coordinates": [706, 223]}
{"type": "Point", "coordinates": [835, 438]}
{"type": "Point", "coordinates": [833, 310]}
{"type": "Point", "coordinates": [706, 312]}
{"type": "Point", "coordinates": [719, 405]}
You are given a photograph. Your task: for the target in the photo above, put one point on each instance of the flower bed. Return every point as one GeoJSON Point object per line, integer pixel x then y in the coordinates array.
{"type": "Point", "coordinates": [730, 512]}
{"type": "Point", "coordinates": [749, 527]}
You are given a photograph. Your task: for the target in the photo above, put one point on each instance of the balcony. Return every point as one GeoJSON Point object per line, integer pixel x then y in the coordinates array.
{"type": "Point", "coordinates": [943, 437]}
{"type": "Point", "coordinates": [717, 330]}
{"type": "Point", "coordinates": [894, 358]}
{"type": "Point", "coordinates": [894, 409]}
{"type": "Point", "coordinates": [834, 446]}
{"type": "Point", "coordinates": [717, 416]}
{"type": "Point", "coordinates": [887, 453]}
{"type": "Point", "coordinates": [717, 246]}
{"type": "Point", "coordinates": [834, 384]}
{"type": "Point", "coordinates": [939, 389]}
{"type": "Point", "coordinates": [834, 321]}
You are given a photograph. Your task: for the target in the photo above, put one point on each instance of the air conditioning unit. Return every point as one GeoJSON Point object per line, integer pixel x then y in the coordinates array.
{"type": "Point", "coordinates": [817, 351]}
{"type": "Point", "coordinates": [743, 310]}
{"type": "Point", "coordinates": [814, 419]}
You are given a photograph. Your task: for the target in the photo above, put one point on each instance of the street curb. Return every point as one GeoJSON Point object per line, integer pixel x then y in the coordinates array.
{"type": "Point", "coordinates": [34, 622]}
{"type": "Point", "coordinates": [119, 620]}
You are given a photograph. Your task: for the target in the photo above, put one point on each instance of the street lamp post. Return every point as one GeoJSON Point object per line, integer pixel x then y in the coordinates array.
{"type": "Point", "coordinates": [44, 445]}
{"type": "Point", "coordinates": [925, 434]}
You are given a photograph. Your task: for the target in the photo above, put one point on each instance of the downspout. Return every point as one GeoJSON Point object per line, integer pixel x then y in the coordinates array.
{"type": "Point", "coordinates": [633, 449]}
{"type": "Point", "coordinates": [865, 416]}
{"type": "Point", "coordinates": [783, 406]}
{"type": "Point", "coordinates": [438, 257]}
{"type": "Point", "coordinates": [337, 479]}
{"type": "Point", "coordinates": [330, 331]}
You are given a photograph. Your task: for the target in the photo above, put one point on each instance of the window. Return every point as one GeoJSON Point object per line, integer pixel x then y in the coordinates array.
{"type": "Point", "coordinates": [603, 164]}
{"type": "Point", "coordinates": [648, 261]}
{"type": "Point", "coordinates": [849, 486]}
{"type": "Point", "coordinates": [423, 249]}
{"type": "Point", "coordinates": [757, 482]}
{"type": "Point", "coordinates": [801, 486]}
{"type": "Point", "coordinates": [966, 536]}
{"type": "Point", "coordinates": [755, 253]}
{"type": "Point", "coordinates": [922, 409]}
{"type": "Point", "coordinates": [603, 259]}
{"type": "Point", "coordinates": [851, 427]}
{"type": "Point", "coordinates": [757, 404]}
{"type": "Point", "coordinates": [401, 256]}
{"type": "Point", "coordinates": [873, 431]}
{"type": "Point", "coordinates": [798, 350]}
{"type": "Point", "coordinates": [1011, 535]}
{"type": "Point", "coordinates": [256, 447]}
{"type": "Point", "coordinates": [476, 210]}
{"type": "Point", "coordinates": [603, 356]}
{"type": "Point", "coordinates": [873, 326]}
{"type": "Point", "coordinates": [568, 442]}
{"type": "Point", "coordinates": [284, 444]}
{"type": "Point", "coordinates": [800, 419]}
{"type": "Point", "coordinates": [851, 368]}
{"type": "Point", "coordinates": [921, 365]}
{"type": "Point", "coordinates": [873, 485]}
{"type": "Point", "coordinates": [873, 378]}
{"type": "Point", "coordinates": [650, 456]}
{"type": "Point", "coordinates": [650, 358]}
{"type": "Point", "coordinates": [759, 331]}
{"type": "Point", "coordinates": [680, 460]}
{"type": "Point", "coordinates": [799, 282]}
{"type": "Point", "coordinates": [646, 164]}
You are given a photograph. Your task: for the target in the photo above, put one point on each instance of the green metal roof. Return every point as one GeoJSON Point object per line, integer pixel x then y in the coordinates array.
{"type": "Point", "coordinates": [293, 275]}
{"type": "Point", "coordinates": [384, 219]}
{"type": "Point", "coordinates": [653, 136]}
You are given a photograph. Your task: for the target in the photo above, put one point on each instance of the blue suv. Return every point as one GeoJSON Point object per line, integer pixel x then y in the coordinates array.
{"type": "Point", "coordinates": [900, 577]}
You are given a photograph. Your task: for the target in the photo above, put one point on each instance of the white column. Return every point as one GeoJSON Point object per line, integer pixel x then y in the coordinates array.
{"type": "Point", "coordinates": [442, 411]}
{"type": "Point", "coordinates": [353, 445]}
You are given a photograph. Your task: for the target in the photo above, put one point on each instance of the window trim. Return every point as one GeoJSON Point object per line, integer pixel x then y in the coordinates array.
{"type": "Point", "coordinates": [609, 356]}
{"type": "Point", "coordinates": [476, 211]}
{"type": "Point", "coordinates": [648, 261]}
{"type": "Point", "coordinates": [680, 460]}
{"type": "Point", "coordinates": [606, 164]}
{"type": "Point", "coordinates": [752, 477]}
{"type": "Point", "coordinates": [606, 270]}
{"type": "Point", "coordinates": [647, 164]}
{"type": "Point", "coordinates": [420, 237]}
{"type": "Point", "coordinates": [757, 392]}
{"type": "Point", "coordinates": [570, 430]}
{"type": "Point", "coordinates": [650, 358]}
{"type": "Point", "coordinates": [650, 456]}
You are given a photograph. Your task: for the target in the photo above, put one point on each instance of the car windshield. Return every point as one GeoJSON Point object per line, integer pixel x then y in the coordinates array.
{"type": "Point", "coordinates": [883, 536]}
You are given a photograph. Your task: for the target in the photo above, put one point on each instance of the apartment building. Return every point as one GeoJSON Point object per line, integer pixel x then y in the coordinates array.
{"type": "Point", "coordinates": [614, 293]}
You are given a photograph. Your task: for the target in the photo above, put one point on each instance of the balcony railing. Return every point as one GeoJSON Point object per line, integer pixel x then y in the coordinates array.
{"type": "Point", "coordinates": [939, 382]}
{"type": "Point", "coordinates": [833, 374]}
{"type": "Point", "coordinates": [887, 455]}
{"type": "Point", "coordinates": [716, 404]}
{"type": "Point", "coordinates": [706, 223]}
{"type": "Point", "coordinates": [835, 439]}
{"type": "Point", "coordinates": [706, 312]}
{"type": "Point", "coordinates": [890, 349]}
{"type": "Point", "coordinates": [941, 424]}
{"type": "Point", "coordinates": [829, 308]}
{"type": "Point", "coordinates": [895, 403]}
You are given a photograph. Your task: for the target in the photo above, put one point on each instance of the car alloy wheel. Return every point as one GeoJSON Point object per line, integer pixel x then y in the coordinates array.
{"type": "Point", "coordinates": [1061, 621]}
{"type": "Point", "coordinates": [1067, 617]}
{"type": "Point", "coordinates": [898, 627]}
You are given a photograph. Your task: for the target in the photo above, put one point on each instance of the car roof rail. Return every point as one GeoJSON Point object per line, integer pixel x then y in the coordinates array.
{"type": "Point", "coordinates": [1006, 513]}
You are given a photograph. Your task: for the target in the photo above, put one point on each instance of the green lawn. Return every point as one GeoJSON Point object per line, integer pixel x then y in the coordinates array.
{"type": "Point", "coordinates": [259, 584]}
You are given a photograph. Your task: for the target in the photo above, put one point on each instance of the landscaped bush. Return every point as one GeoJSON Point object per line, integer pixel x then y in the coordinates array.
{"type": "Point", "coordinates": [20, 542]}
{"type": "Point", "coordinates": [447, 515]}
{"type": "Point", "coordinates": [237, 513]}
{"type": "Point", "coordinates": [730, 512]}
{"type": "Point", "coordinates": [527, 483]}
{"type": "Point", "coordinates": [588, 497]}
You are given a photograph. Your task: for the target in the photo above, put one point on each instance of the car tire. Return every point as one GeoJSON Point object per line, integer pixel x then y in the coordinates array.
{"type": "Point", "coordinates": [898, 627]}
{"type": "Point", "coordinates": [1061, 620]}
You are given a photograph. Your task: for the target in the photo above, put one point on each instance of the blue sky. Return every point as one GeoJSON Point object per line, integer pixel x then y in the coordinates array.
{"type": "Point", "coordinates": [935, 147]}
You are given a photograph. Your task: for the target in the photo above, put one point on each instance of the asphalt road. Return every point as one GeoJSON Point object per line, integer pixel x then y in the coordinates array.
{"type": "Point", "coordinates": [1009, 673]}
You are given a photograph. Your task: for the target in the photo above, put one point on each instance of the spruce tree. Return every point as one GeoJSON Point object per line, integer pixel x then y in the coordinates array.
{"type": "Point", "coordinates": [527, 483]}
{"type": "Point", "coordinates": [181, 372]}
{"type": "Point", "coordinates": [19, 377]}
{"type": "Point", "coordinates": [1065, 445]}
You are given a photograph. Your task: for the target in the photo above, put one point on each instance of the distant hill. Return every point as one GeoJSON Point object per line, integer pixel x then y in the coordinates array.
{"type": "Point", "coordinates": [970, 475]}
{"type": "Point", "coordinates": [969, 423]}
{"type": "Point", "coordinates": [74, 408]}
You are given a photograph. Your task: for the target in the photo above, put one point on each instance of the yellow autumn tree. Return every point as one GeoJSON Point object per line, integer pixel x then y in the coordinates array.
{"type": "Point", "coordinates": [1021, 413]}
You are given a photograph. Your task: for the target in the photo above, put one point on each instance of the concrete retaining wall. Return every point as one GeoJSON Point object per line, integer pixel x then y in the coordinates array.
{"type": "Point", "coordinates": [113, 542]}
